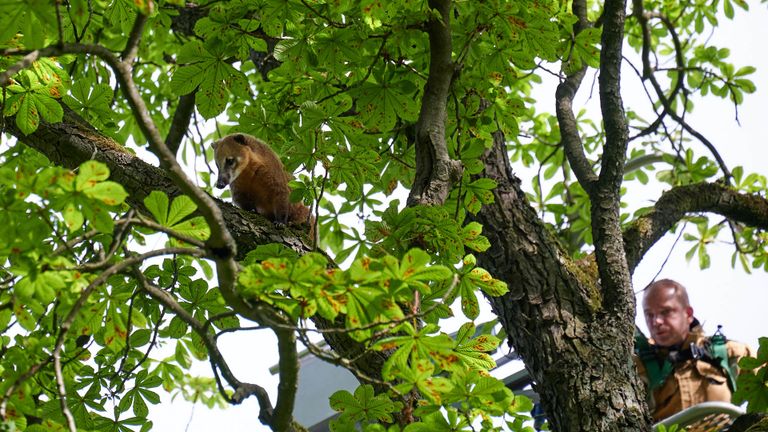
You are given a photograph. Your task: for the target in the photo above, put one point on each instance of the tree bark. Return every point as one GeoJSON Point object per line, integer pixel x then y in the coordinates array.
{"type": "Point", "coordinates": [576, 352]}
{"type": "Point", "coordinates": [435, 170]}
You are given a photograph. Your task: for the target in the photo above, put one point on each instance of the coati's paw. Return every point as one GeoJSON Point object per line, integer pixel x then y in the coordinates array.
{"type": "Point", "coordinates": [280, 224]}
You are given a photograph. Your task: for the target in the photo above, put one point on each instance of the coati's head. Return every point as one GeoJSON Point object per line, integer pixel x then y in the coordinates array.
{"type": "Point", "coordinates": [231, 155]}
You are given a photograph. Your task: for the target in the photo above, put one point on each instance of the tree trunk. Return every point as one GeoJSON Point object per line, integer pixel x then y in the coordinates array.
{"type": "Point", "coordinates": [578, 354]}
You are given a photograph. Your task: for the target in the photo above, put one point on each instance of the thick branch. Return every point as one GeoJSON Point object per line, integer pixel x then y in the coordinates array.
{"type": "Point", "coordinates": [673, 205]}
{"type": "Point", "coordinates": [282, 418]}
{"type": "Point", "coordinates": [220, 238]}
{"type": "Point", "coordinates": [242, 390]}
{"type": "Point", "coordinates": [569, 131]}
{"type": "Point", "coordinates": [220, 241]}
{"type": "Point", "coordinates": [435, 171]}
{"type": "Point", "coordinates": [614, 274]}
{"type": "Point", "coordinates": [73, 141]}
{"type": "Point", "coordinates": [610, 96]}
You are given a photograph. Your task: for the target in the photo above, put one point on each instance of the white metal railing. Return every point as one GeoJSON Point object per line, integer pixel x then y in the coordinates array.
{"type": "Point", "coordinates": [706, 416]}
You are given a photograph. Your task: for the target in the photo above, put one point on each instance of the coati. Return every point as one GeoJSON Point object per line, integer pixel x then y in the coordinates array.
{"type": "Point", "coordinates": [257, 179]}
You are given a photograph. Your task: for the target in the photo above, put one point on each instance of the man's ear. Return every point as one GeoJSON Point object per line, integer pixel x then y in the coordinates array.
{"type": "Point", "coordinates": [689, 314]}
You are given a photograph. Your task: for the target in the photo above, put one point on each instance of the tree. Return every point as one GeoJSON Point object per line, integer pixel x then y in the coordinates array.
{"type": "Point", "coordinates": [362, 98]}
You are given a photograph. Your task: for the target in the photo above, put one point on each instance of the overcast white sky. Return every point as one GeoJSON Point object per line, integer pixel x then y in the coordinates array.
{"type": "Point", "coordinates": [719, 295]}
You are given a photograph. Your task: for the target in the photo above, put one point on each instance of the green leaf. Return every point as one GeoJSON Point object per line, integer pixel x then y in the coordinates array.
{"type": "Point", "coordinates": [157, 204]}
{"type": "Point", "coordinates": [421, 376]}
{"type": "Point", "coordinates": [140, 337]}
{"type": "Point", "coordinates": [586, 47]}
{"type": "Point", "coordinates": [48, 107]}
{"type": "Point", "coordinates": [704, 260]}
{"type": "Point", "coordinates": [140, 407]}
{"type": "Point", "coordinates": [186, 79]}
{"type": "Point", "coordinates": [195, 227]}
{"type": "Point", "coordinates": [89, 174]}
{"type": "Point", "coordinates": [473, 238]}
{"type": "Point", "coordinates": [27, 117]}
{"type": "Point", "coordinates": [473, 351]}
{"type": "Point", "coordinates": [110, 193]}
{"type": "Point", "coordinates": [73, 217]}
{"type": "Point", "coordinates": [479, 192]}
{"type": "Point", "coordinates": [181, 207]}
{"type": "Point", "coordinates": [521, 404]}
{"type": "Point", "coordinates": [99, 218]}
{"type": "Point", "coordinates": [479, 389]}
{"type": "Point", "coordinates": [381, 104]}
{"type": "Point", "coordinates": [121, 14]}
{"type": "Point", "coordinates": [177, 328]}
{"type": "Point", "coordinates": [749, 363]}
{"type": "Point", "coordinates": [364, 406]}
{"type": "Point", "coordinates": [469, 304]}
{"type": "Point", "coordinates": [414, 267]}
{"type": "Point", "coordinates": [212, 97]}
{"type": "Point", "coordinates": [24, 289]}
{"type": "Point", "coordinates": [435, 422]}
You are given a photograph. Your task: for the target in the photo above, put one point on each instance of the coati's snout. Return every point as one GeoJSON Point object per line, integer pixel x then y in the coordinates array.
{"type": "Point", "coordinates": [222, 181]}
{"type": "Point", "coordinates": [229, 166]}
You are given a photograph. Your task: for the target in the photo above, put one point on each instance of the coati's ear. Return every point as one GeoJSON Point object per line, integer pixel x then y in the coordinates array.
{"type": "Point", "coordinates": [240, 138]}
{"type": "Point", "coordinates": [215, 145]}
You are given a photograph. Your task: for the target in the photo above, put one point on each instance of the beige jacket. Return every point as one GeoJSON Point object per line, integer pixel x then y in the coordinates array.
{"type": "Point", "coordinates": [692, 381]}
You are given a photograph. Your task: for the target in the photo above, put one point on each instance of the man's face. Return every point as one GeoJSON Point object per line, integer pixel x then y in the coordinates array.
{"type": "Point", "coordinates": [666, 317]}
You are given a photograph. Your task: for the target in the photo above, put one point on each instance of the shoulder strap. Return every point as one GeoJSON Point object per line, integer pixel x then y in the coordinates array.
{"type": "Point", "coordinates": [657, 373]}
{"type": "Point", "coordinates": [719, 352]}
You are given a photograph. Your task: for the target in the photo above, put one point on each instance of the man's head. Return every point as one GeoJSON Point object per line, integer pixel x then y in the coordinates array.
{"type": "Point", "coordinates": [668, 312]}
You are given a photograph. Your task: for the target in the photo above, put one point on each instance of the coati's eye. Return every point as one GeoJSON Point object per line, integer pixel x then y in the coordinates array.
{"type": "Point", "coordinates": [229, 161]}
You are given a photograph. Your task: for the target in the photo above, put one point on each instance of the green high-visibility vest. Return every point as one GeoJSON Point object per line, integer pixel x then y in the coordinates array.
{"type": "Point", "coordinates": [658, 372]}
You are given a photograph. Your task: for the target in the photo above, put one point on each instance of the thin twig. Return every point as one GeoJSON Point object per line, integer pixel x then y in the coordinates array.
{"type": "Point", "coordinates": [24, 63]}
{"type": "Point", "coordinates": [59, 21]}
{"type": "Point", "coordinates": [62, 389]}
{"type": "Point", "coordinates": [151, 254]}
{"type": "Point", "coordinates": [363, 80]}
{"type": "Point", "coordinates": [147, 223]}
{"type": "Point", "coordinates": [665, 100]}
{"type": "Point", "coordinates": [132, 46]}
{"type": "Point", "coordinates": [328, 21]}
{"type": "Point", "coordinates": [242, 389]}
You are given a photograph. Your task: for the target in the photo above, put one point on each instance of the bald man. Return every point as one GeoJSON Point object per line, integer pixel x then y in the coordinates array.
{"type": "Point", "coordinates": [680, 365]}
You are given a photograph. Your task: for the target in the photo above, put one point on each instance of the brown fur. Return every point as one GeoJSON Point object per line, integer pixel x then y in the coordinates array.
{"type": "Point", "coordinates": [257, 179]}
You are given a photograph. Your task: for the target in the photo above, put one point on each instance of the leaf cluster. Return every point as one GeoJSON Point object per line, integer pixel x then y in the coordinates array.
{"type": "Point", "coordinates": [62, 291]}
{"type": "Point", "coordinates": [751, 384]}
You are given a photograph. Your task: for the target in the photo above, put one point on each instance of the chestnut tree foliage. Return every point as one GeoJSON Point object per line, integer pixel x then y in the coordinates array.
{"type": "Point", "coordinates": [107, 254]}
